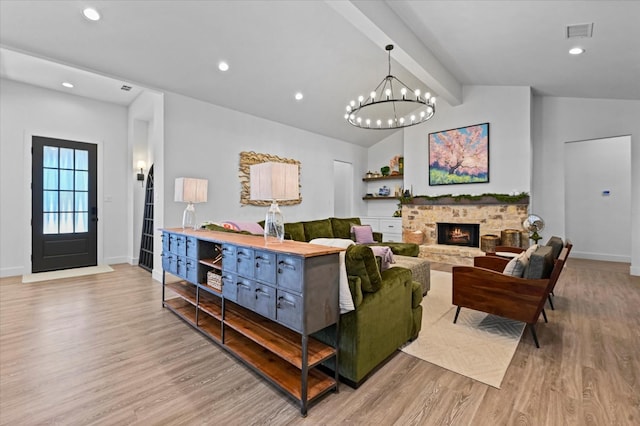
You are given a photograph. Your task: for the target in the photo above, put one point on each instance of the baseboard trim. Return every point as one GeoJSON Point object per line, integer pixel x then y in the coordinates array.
{"type": "Point", "coordinates": [600, 256]}
{"type": "Point", "coordinates": [11, 272]}
{"type": "Point", "coordinates": [635, 270]}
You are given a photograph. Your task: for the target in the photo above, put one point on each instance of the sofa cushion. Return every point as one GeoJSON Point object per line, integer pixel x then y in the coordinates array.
{"type": "Point", "coordinates": [362, 234]}
{"type": "Point", "coordinates": [342, 226]}
{"type": "Point", "coordinates": [295, 231]}
{"type": "Point", "coordinates": [540, 264]}
{"type": "Point", "coordinates": [556, 244]}
{"type": "Point", "coordinates": [318, 229]}
{"type": "Point", "coordinates": [361, 262]}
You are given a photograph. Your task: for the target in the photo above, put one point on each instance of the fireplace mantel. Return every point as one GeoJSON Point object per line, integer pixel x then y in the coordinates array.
{"type": "Point", "coordinates": [485, 199]}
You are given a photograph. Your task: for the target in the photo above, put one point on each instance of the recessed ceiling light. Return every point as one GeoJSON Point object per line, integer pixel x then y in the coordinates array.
{"type": "Point", "coordinates": [223, 66]}
{"type": "Point", "coordinates": [91, 14]}
{"type": "Point", "coordinates": [68, 85]}
{"type": "Point", "coordinates": [299, 96]}
{"type": "Point", "coordinates": [576, 51]}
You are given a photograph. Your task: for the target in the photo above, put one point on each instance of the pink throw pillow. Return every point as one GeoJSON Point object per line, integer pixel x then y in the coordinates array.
{"type": "Point", "coordinates": [363, 234]}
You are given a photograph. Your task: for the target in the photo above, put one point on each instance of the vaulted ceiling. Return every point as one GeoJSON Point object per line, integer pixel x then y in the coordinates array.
{"type": "Point", "coordinates": [331, 51]}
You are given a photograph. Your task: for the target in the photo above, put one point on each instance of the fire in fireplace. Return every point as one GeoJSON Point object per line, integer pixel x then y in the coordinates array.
{"type": "Point", "coordinates": [459, 234]}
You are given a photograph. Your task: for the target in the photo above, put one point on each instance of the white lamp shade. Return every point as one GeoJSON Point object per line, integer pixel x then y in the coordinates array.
{"type": "Point", "coordinates": [190, 190]}
{"type": "Point", "coordinates": [274, 181]}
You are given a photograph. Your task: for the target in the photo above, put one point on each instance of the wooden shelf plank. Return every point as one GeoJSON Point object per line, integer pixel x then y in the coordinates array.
{"type": "Point", "coordinates": [276, 369]}
{"type": "Point", "coordinates": [210, 325]}
{"type": "Point", "coordinates": [212, 290]}
{"type": "Point", "coordinates": [212, 263]}
{"type": "Point", "coordinates": [211, 305]}
{"type": "Point", "coordinates": [278, 339]}
{"type": "Point", "coordinates": [380, 198]}
{"type": "Point", "coordinates": [183, 289]}
{"type": "Point", "coordinates": [182, 308]}
{"type": "Point", "coordinates": [371, 179]}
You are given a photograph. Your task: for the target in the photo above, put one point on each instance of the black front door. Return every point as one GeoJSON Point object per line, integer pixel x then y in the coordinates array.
{"type": "Point", "coordinates": [64, 198]}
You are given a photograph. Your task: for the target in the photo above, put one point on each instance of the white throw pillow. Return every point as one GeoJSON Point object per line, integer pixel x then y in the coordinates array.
{"type": "Point", "coordinates": [333, 242]}
{"type": "Point", "coordinates": [516, 266]}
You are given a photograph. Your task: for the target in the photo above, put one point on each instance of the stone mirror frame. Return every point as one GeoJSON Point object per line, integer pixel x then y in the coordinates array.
{"type": "Point", "coordinates": [248, 159]}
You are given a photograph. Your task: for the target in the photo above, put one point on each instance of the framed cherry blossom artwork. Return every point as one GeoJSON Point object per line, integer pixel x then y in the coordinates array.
{"type": "Point", "coordinates": [459, 155]}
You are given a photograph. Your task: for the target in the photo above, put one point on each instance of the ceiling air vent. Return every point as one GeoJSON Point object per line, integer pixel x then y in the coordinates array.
{"type": "Point", "coordinates": [580, 30]}
{"type": "Point", "coordinates": [125, 88]}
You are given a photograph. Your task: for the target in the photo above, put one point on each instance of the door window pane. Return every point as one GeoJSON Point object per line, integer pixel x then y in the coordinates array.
{"type": "Point", "coordinates": [50, 179]}
{"type": "Point", "coordinates": [82, 181]}
{"type": "Point", "coordinates": [66, 201]}
{"type": "Point", "coordinates": [81, 201]}
{"type": "Point", "coordinates": [50, 157]}
{"type": "Point", "coordinates": [66, 158]}
{"type": "Point", "coordinates": [81, 222]}
{"type": "Point", "coordinates": [50, 201]}
{"type": "Point", "coordinates": [66, 223]}
{"type": "Point", "coordinates": [82, 159]}
{"type": "Point", "coordinates": [50, 223]}
{"type": "Point", "coordinates": [66, 180]}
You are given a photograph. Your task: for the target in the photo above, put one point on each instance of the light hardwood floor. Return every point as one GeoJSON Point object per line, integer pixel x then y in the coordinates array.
{"type": "Point", "coordinates": [101, 350]}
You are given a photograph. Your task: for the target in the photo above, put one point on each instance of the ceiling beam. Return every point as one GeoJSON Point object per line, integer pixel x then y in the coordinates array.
{"type": "Point", "coordinates": [381, 25]}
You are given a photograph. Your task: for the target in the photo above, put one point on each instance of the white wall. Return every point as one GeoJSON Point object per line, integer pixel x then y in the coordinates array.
{"type": "Point", "coordinates": [204, 140]}
{"type": "Point", "coordinates": [27, 110]}
{"type": "Point", "coordinates": [507, 109]}
{"type": "Point", "coordinates": [560, 120]}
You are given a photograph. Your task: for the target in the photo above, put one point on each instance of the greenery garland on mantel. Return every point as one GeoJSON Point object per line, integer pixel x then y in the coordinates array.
{"type": "Point", "coordinates": [489, 198]}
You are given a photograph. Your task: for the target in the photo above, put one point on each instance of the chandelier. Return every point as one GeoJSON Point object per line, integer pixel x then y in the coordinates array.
{"type": "Point", "coordinates": [392, 105]}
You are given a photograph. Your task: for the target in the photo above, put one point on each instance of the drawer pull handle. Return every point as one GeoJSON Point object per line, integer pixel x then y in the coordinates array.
{"type": "Point", "coordinates": [286, 302]}
{"type": "Point", "coordinates": [240, 284]}
{"type": "Point", "coordinates": [286, 265]}
{"type": "Point", "coordinates": [261, 292]}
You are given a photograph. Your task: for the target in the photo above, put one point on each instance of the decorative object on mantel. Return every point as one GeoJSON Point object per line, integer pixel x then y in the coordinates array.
{"type": "Point", "coordinates": [459, 155]}
{"type": "Point", "coordinates": [489, 198]}
{"type": "Point", "coordinates": [488, 243]}
{"type": "Point", "coordinates": [533, 224]}
{"type": "Point", "coordinates": [390, 108]}
{"type": "Point", "coordinates": [249, 158]}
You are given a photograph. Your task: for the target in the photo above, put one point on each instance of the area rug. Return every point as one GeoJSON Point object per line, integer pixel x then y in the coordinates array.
{"type": "Point", "coordinates": [65, 273]}
{"type": "Point", "coordinates": [479, 345]}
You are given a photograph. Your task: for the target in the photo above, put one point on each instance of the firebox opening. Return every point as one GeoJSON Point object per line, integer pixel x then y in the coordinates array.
{"type": "Point", "coordinates": [459, 234]}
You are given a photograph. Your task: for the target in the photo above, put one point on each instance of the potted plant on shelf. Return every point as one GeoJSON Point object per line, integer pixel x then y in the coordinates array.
{"type": "Point", "coordinates": [385, 170]}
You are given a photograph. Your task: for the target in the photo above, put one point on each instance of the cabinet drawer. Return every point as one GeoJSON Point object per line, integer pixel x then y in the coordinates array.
{"type": "Point", "coordinates": [229, 286]}
{"type": "Point", "coordinates": [244, 259]}
{"type": "Point", "coordinates": [191, 247]}
{"type": "Point", "coordinates": [289, 310]}
{"type": "Point", "coordinates": [169, 263]}
{"type": "Point", "coordinates": [181, 266]}
{"type": "Point", "coordinates": [181, 245]}
{"type": "Point", "coordinates": [265, 266]}
{"type": "Point", "coordinates": [229, 258]}
{"type": "Point", "coordinates": [392, 237]}
{"type": "Point", "coordinates": [289, 272]}
{"type": "Point", "coordinates": [191, 270]}
{"type": "Point", "coordinates": [265, 303]}
{"type": "Point", "coordinates": [390, 226]}
{"type": "Point", "coordinates": [246, 292]}
{"type": "Point", "coordinates": [173, 243]}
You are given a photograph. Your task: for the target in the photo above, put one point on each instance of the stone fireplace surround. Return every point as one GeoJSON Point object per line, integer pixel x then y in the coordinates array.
{"type": "Point", "coordinates": [493, 218]}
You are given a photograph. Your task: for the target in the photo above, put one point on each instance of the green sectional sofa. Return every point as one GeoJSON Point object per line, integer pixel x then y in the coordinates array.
{"type": "Point", "coordinates": [387, 314]}
{"type": "Point", "coordinates": [335, 227]}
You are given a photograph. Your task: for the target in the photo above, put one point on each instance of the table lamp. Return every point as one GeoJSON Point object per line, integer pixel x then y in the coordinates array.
{"type": "Point", "coordinates": [273, 181]}
{"type": "Point", "coordinates": [190, 191]}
